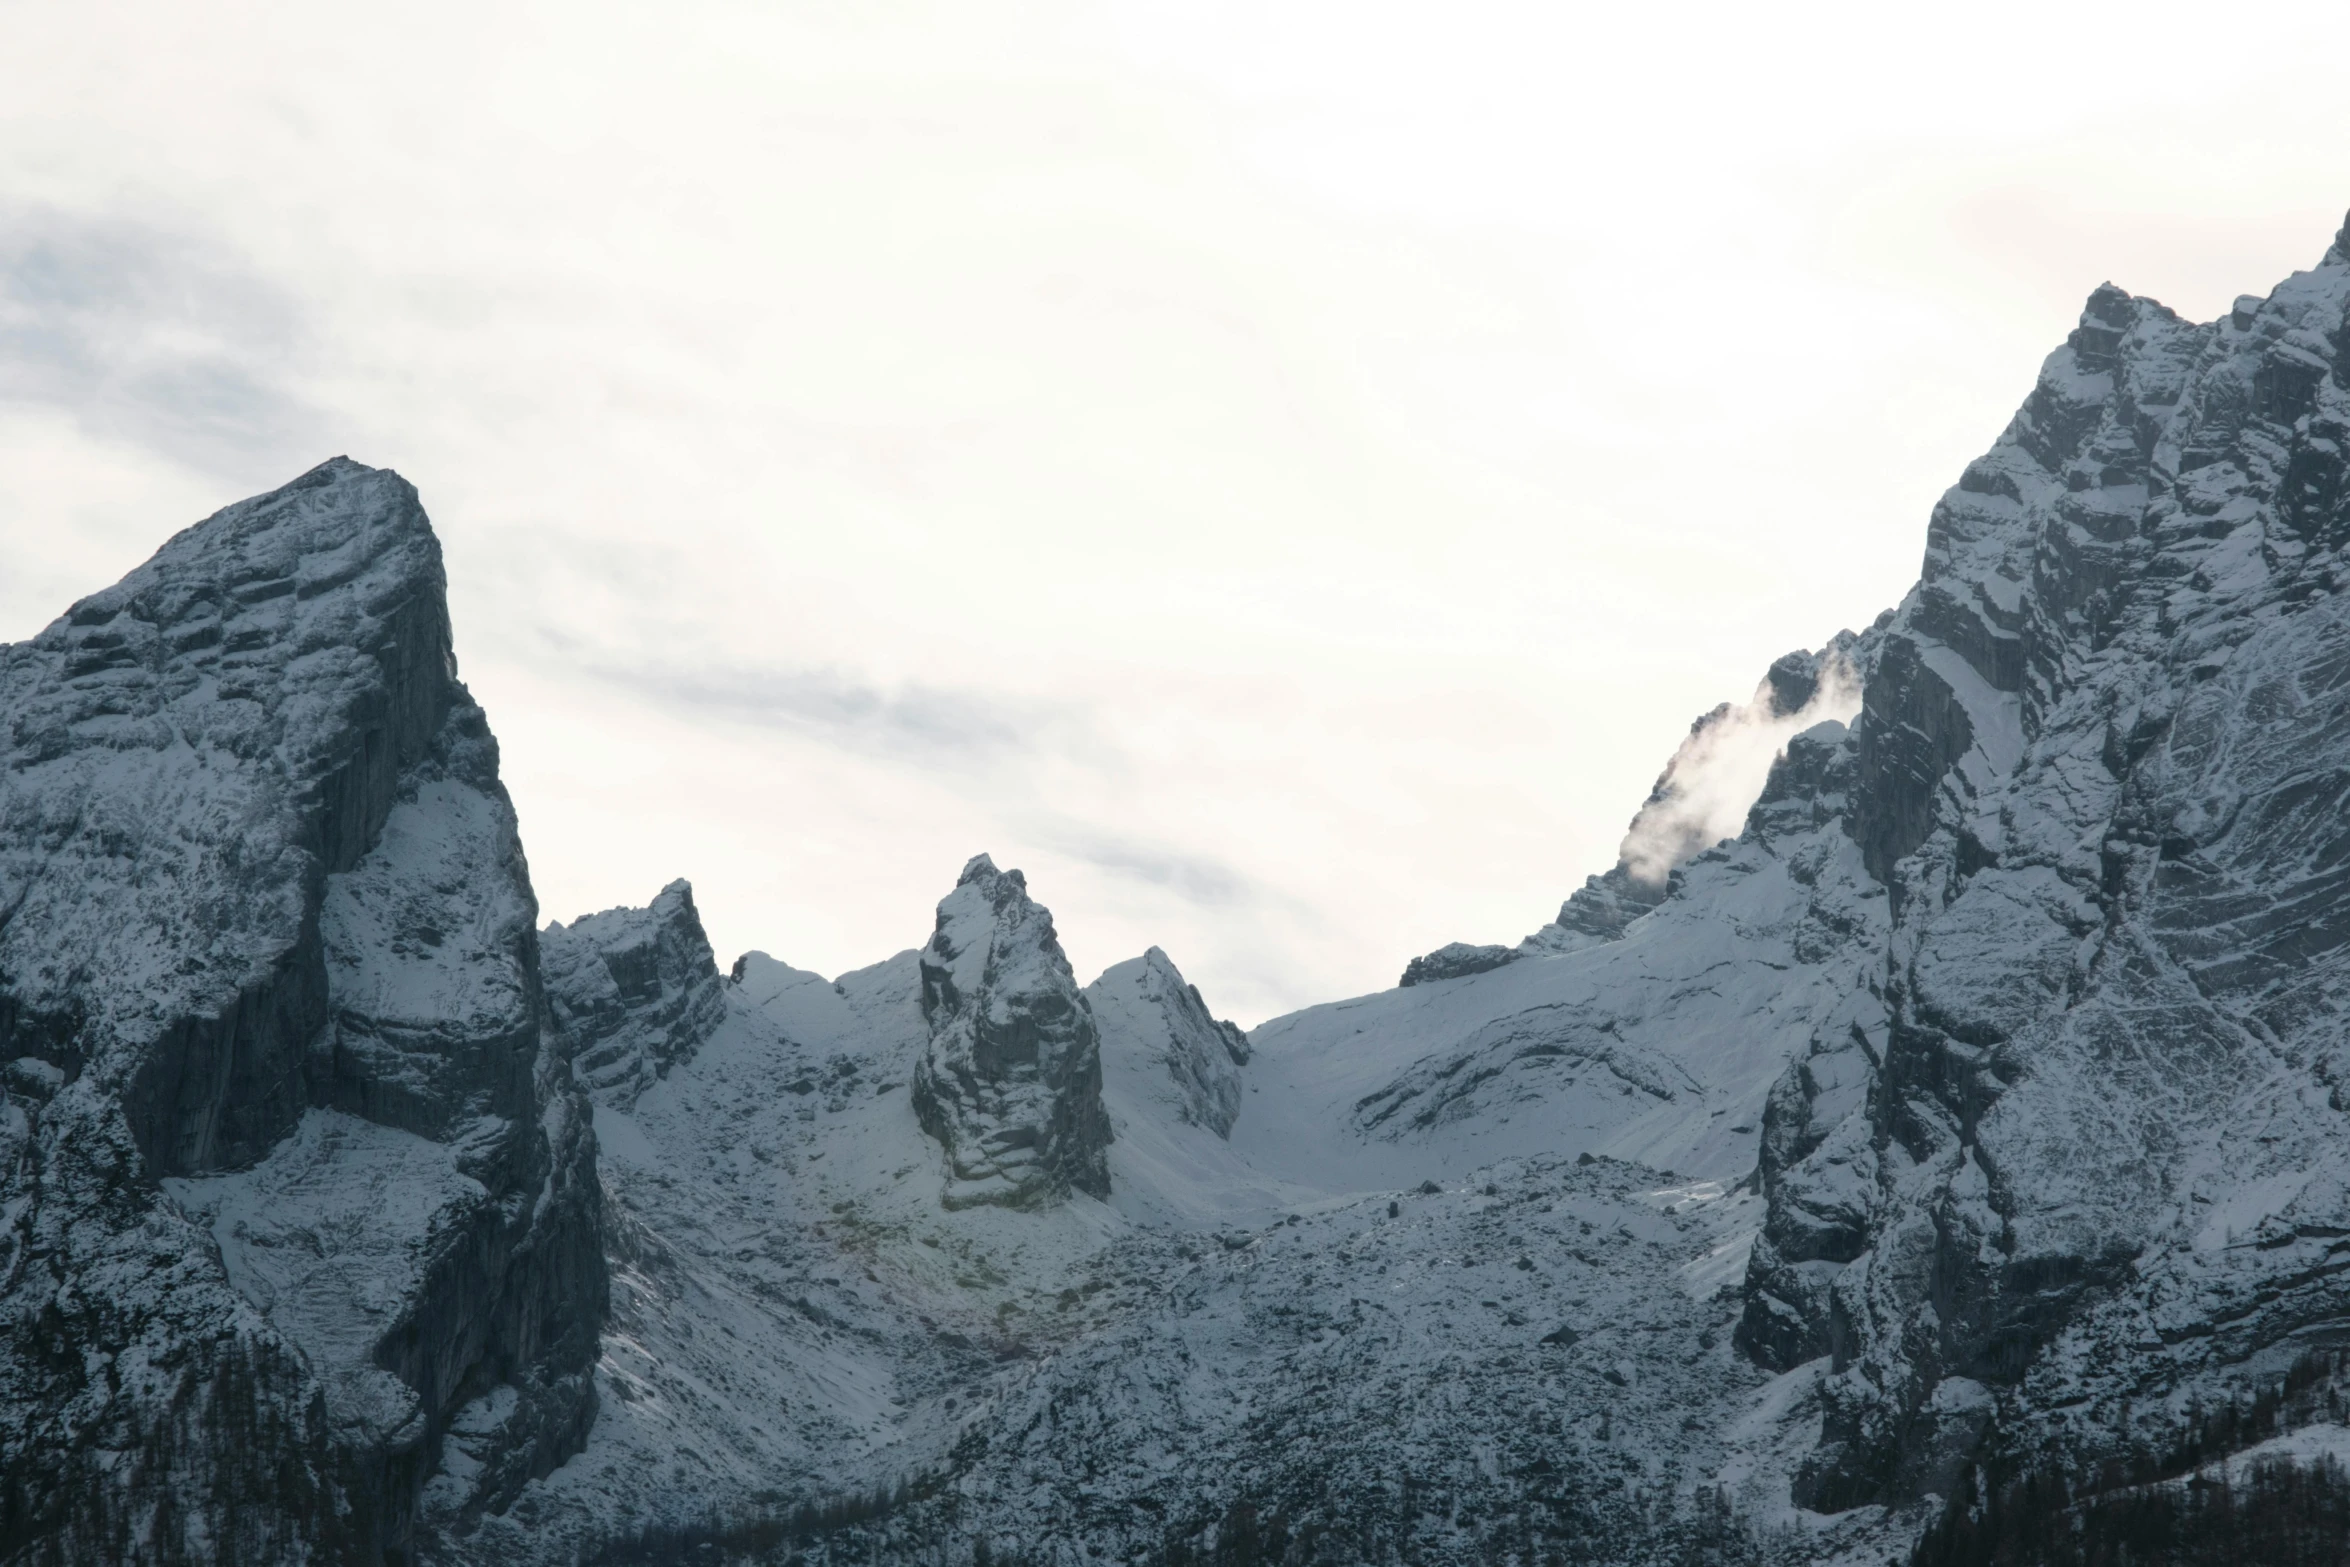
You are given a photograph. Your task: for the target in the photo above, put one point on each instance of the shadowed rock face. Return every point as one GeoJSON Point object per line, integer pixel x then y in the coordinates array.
{"type": "Point", "coordinates": [633, 992]}
{"type": "Point", "coordinates": [1011, 1081]}
{"type": "Point", "coordinates": [292, 1171]}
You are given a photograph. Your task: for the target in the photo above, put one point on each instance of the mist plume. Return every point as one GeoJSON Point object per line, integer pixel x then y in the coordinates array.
{"type": "Point", "coordinates": [1715, 777]}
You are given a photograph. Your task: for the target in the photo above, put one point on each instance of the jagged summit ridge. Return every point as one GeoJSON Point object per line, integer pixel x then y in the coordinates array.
{"type": "Point", "coordinates": [1699, 800]}
{"type": "Point", "coordinates": [1011, 1081]}
{"type": "Point", "coordinates": [633, 992]}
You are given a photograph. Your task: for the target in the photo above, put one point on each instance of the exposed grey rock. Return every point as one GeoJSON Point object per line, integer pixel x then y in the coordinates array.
{"type": "Point", "coordinates": [1596, 912]}
{"type": "Point", "coordinates": [2092, 1169]}
{"type": "Point", "coordinates": [1454, 960]}
{"type": "Point", "coordinates": [1793, 680]}
{"type": "Point", "coordinates": [1147, 1012]}
{"type": "Point", "coordinates": [1010, 1083]}
{"type": "Point", "coordinates": [293, 1171]}
{"type": "Point", "coordinates": [633, 992]}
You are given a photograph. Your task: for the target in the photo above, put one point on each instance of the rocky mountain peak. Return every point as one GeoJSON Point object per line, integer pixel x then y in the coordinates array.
{"type": "Point", "coordinates": [1010, 1081]}
{"type": "Point", "coordinates": [232, 717]}
{"type": "Point", "coordinates": [633, 992]}
{"type": "Point", "coordinates": [1146, 1009]}
{"type": "Point", "coordinates": [284, 1126]}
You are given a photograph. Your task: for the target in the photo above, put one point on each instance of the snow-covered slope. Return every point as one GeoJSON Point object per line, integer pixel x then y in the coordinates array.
{"type": "Point", "coordinates": [1659, 1046]}
{"type": "Point", "coordinates": [799, 1311]}
{"type": "Point", "coordinates": [2012, 999]}
{"type": "Point", "coordinates": [797, 1308]}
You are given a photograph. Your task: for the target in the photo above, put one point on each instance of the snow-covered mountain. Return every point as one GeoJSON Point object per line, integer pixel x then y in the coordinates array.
{"type": "Point", "coordinates": [1947, 1083]}
{"type": "Point", "coordinates": [297, 1180]}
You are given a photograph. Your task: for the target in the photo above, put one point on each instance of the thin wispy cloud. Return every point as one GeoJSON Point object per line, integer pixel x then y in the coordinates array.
{"type": "Point", "coordinates": [152, 337]}
{"type": "Point", "coordinates": [923, 726]}
{"type": "Point", "coordinates": [1197, 879]}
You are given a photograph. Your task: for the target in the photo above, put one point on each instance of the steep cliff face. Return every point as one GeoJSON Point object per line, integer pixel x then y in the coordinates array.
{"type": "Point", "coordinates": [633, 991]}
{"type": "Point", "coordinates": [1011, 1082]}
{"type": "Point", "coordinates": [2098, 1169]}
{"type": "Point", "coordinates": [294, 1173]}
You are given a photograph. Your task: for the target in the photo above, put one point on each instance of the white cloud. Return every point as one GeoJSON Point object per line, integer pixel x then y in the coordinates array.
{"type": "Point", "coordinates": [1338, 446]}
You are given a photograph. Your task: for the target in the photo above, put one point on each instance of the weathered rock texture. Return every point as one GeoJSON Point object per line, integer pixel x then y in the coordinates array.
{"type": "Point", "coordinates": [1147, 1010]}
{"type": "Point", "coordinates": [1455, 960]}
{"type": "Point", "coordinates": [633, 992]}
{"type": "Point", "coordinates": [1011, 1081]}
{"type": "Point", "coordinates": [292, 1171]}
{"type": "Point", "coordinates": [2094, 1164]}
{"type": "Point", "coordinates": [1596, 912]}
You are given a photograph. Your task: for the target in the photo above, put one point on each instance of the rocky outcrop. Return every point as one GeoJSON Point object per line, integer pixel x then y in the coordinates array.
{"type": "Point", "coordinates": [1596, 912]}
{"type": "Point", "coordinates": [2094, 1172]}
{"type": "Point", "coordinates": [1148, 1013]}
{"type": "Point", "coordinates": [1455, 960]}
{"type": "Point", "coordinates": [1010, 1082]}
{"type": "Point", "coordinates": [1793, 680]}
{"type": "Point", "coordinates": [293, 1171]}
{"type": "Point", "coordinates": [633, 992]}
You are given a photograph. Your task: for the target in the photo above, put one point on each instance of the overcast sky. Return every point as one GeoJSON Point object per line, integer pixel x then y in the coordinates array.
{"type": "Point", "coordinates": [1284, 475]}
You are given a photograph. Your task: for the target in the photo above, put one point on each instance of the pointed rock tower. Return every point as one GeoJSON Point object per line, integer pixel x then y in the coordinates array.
{"type": "Point", "coordinates": [1010, 1082]}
